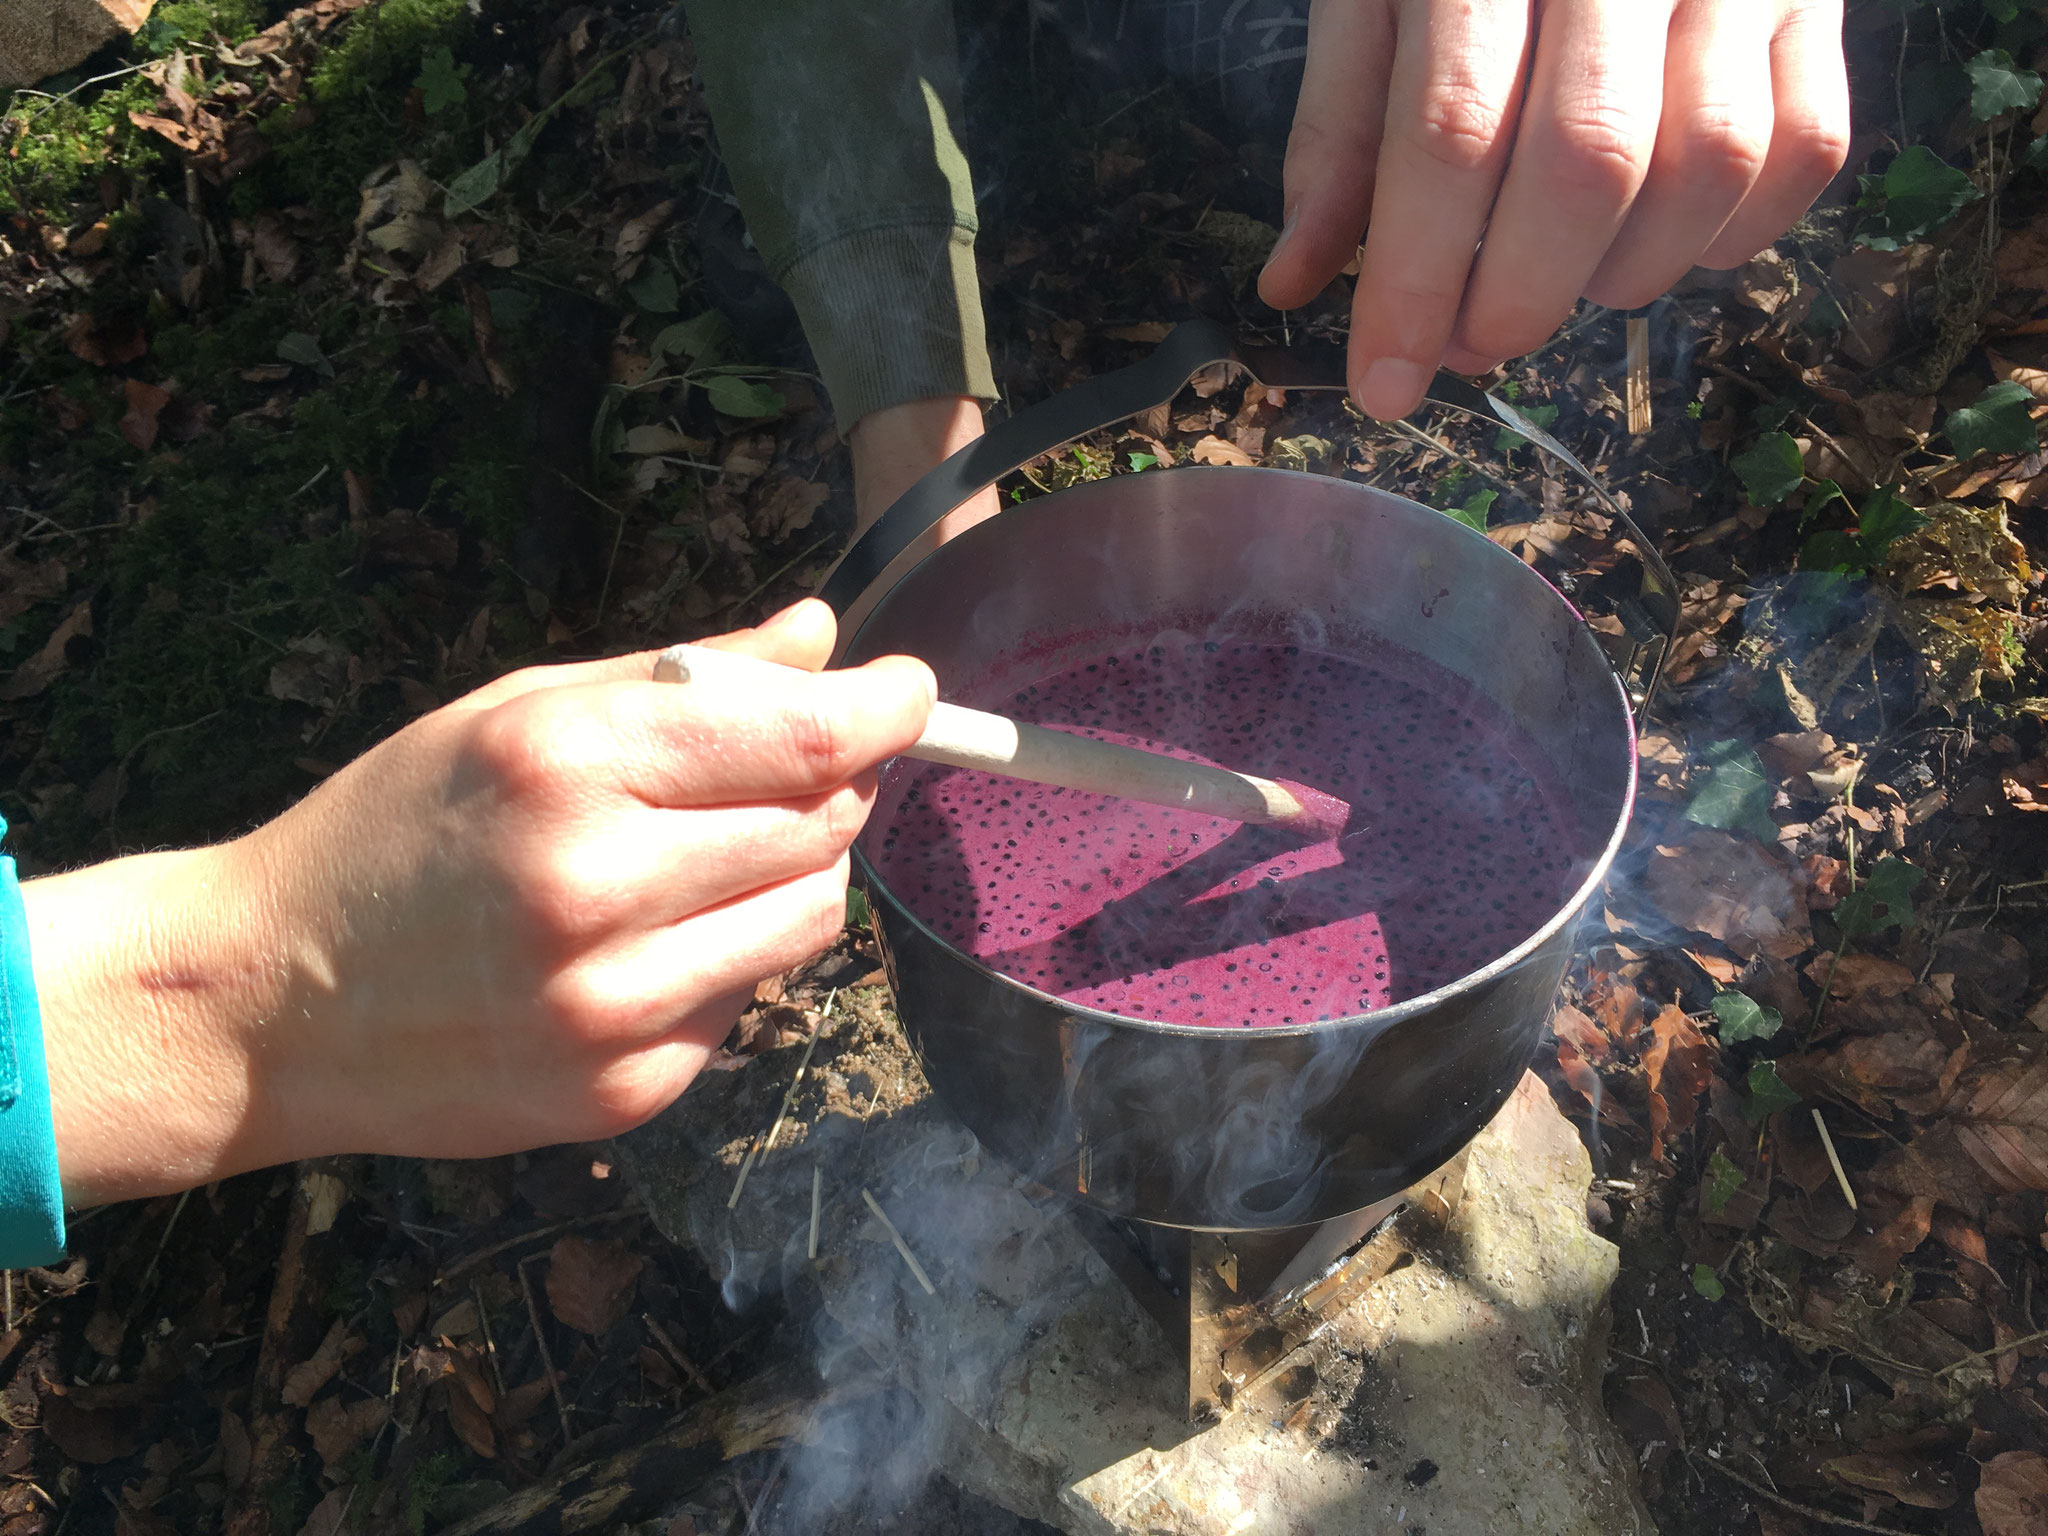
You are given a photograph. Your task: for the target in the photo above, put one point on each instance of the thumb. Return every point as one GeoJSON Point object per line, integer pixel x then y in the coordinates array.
{"type": "Point", "coordinates": [801, 635]}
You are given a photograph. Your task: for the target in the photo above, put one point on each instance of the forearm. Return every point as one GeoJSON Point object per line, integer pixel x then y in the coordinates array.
{"type": "Point", "coordinates": [161, 1006]}
{"type": "Point", "coordinates": [837, 123]}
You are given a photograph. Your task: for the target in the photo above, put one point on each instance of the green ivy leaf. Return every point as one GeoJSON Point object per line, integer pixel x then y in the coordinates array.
{"type": "Point", "coordinates": [1142, 461]}
{"type": "Point", "coordinates": [2035, 156]}
{"type": "Point", "coordinates": [743, 397]}
{"type": "Point", "coordinates": [702, 338]}
{"type": "Point", "coordinates": [440, 82]}
{"type": "Point", "coordinates": [1719, 1184]}
{"type": "Point", "coordinates": [1996, 421]}
{"type": "Point", "coordinates": [1771, 470]}
{"type": "Point", "coordinates": [856, 907]}
{"type": "Point", "coordinates": [1824, 494]}
{"type": "Point", "coordinates": [1735, 793]}
{"type": "Point", "coordinates": [1707, 1283]}
{"type": "Point", "coordinates": [1744, 1018]}
{"type": "Point", "coordinates": [1473, 513]}
{"type": "Point", "coordinates": [1767, 1093]}
{"type": "Point", "coordinates": [1833, 550]}
{"type": "Point", "coordinates": [1884, 901]}
{"type": "Point", "coordinates": [1999, 86]}
{"type": "Point", "coordinates": [1917, 191]}
{"type": "Point", "coordinates": [1886, 516]}
{"type": "Point", "coordinates": [654, 289]}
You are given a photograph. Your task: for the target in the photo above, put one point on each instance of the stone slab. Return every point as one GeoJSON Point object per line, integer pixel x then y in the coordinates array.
{"type": "Point", "coordinates": [40, 38]}
{"type": "Point", "coordinates": [1459, 1395]}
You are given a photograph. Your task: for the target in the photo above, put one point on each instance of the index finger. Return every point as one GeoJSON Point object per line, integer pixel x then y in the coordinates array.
{"type": "Point", "coordinates": [1451, 111]}
{"type": "Point", "coordinates": [753, 731]}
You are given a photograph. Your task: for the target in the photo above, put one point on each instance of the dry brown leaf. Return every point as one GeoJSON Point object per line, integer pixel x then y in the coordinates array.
{"type": "Point", "coordinates": [330, 1515]}
{"type": "Point", "coordinates": [1999, 1114]}
{"type": "Point", "coordinates": [277, 253]}
{"type": "Point", "coordinates": [2012, 1497]}
{"type": "Point", "coordinates": [470, 1402]}
{"type": "Point", "coordinates": [787, 506]}
{"type": "Point", "coordinates": [590, 1284]}
{"type": "Point", "coordinates": [145, 403]}
{"type": "Point", "coordinates": [1214, 450]}
{"type": "Point", "coordinates": [1871, 1071]}
{"type": "Point", "coordinates": [308, 1377]}
{"type": "Point", "coordinates": [636, 235]}
{"type": "Point", "coordinates": [1733, 889]}
{"type": "Point", "coordinates": [43, 668]}
{"type": "Point", "coordinates": [1678, 1065]}
{"type": "Point", "coordinates": [336, 1428]}
{"type": "Point", "coordinates": [94, 1437]}
{"type": "Point", "coordinates": [1911, 1480]}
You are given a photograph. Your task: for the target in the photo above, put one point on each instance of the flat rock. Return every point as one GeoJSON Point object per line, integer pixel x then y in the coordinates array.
{"type": "Point", "coordinates": [1459, 1395]}
{"type": "Point", "coordinates": [40, 38]}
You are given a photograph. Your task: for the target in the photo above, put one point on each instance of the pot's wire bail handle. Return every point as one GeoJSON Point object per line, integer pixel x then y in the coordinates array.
{"type": "Point", "coordinates": [1648, 614]}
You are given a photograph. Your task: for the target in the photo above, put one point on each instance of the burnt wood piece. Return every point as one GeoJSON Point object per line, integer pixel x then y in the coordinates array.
{"type": "Point", "coordinates": [773, 1409]}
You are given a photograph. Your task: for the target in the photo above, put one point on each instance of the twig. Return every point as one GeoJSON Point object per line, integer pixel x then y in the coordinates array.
{"type": "Point", "coordinates": [483, 1317]}
{"type": "Point", "coordinates": [902, 1247]}
{"type": "Point", "coordinates": [688, 1365]}
{"type": "Point", "coordinates": [1834, 1161]}
{"type": "Point", "coordinates": [547, 1359]}
{"type": "Point", "coordinates": [462, 1267]}
{"type": "Point", "coordinates": [767, 1144]}
{"type": "Point", "coordinates": [618, 538]}
{"type": "Point", "coordinates": [1809, 1511]}
{"type": "Point", "coordinates": [782, 572]}
{"type": "Point", "coordinates": [1978, 1356]}
{"type": "Point", "coordinates": [755, 1506]}
{"type": "Point", "coordinates": [817, 1194]}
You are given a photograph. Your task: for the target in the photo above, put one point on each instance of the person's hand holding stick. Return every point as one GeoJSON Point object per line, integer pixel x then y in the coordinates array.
{"type": "Point", "coordinates": [526, 918]}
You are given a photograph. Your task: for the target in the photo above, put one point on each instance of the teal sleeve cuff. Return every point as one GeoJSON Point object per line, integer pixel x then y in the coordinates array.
{"type": "Point", "coordinates": [31, 1195]}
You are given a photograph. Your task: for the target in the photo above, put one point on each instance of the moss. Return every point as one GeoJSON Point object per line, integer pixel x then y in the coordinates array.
{"type": "Point", "coordinates": [58, 138]}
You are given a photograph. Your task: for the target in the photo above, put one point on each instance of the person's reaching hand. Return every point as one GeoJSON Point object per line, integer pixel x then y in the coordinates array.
{"type": "Point", "coordinates": [526, 918]}
{"type": "Point", "coordinates": [1501, 158]}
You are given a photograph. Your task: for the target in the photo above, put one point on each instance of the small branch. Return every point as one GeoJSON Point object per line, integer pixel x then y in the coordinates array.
{"type": "Point", "coordinates": [1810, 1511]}
{"type": "Point", "coordinates": [688, 1365]}
{"type": "Point", "coordinates": [462, 1267]}
{"type": "Point", "coordinates": [547, 1358]}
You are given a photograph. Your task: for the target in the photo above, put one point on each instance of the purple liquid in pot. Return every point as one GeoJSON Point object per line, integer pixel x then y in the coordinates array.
{"type": "Point", "coordinates": [1460, 844]}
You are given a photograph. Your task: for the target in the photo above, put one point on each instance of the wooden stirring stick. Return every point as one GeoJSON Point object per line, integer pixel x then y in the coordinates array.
{"type": "Point", "coordinates": [973, 738]}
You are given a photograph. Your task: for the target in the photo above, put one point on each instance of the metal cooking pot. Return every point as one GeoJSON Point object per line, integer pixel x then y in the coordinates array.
{"type": "Point", "coordinates": [1238, 1129]}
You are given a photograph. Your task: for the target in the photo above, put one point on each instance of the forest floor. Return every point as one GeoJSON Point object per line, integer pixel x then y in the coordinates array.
{"type": "Point", "coordinates": [354, 353]}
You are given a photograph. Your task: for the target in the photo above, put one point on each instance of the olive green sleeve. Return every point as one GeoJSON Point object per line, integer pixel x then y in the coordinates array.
{"type": "Point", "coordinates": [836, 120]}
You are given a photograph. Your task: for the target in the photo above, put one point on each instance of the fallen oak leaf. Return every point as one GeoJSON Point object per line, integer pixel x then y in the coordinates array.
{"type": "Point", "coordinates": [590, 1284]}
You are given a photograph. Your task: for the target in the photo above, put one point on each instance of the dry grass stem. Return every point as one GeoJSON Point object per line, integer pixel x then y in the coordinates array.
{"type": "Point", "coordinates": [767, 1144]}
{"type": "Point", "coordinates": [463, 1266]}
{"type": "Point", "coordinates": [902, 1247]}
{"type": "Point", "coordinates": [1834, 1160]}
{"type": "Point", "coordinates": [1638, 375]}
{"type": "Point", "coordinates": [817, 1196]}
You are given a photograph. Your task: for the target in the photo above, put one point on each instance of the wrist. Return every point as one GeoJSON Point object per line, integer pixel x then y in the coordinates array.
{"type": "Point", "coordinates": [161, 1001]}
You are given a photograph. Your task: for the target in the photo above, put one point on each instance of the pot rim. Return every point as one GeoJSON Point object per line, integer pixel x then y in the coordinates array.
{"type": "Point", "coordinates": [1394, 1013]}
